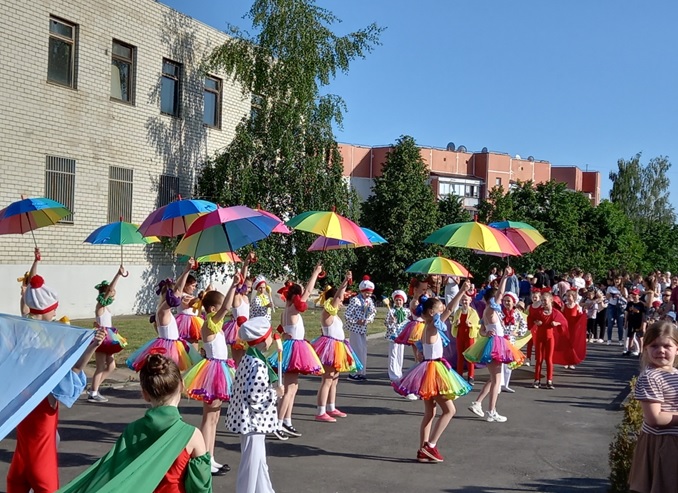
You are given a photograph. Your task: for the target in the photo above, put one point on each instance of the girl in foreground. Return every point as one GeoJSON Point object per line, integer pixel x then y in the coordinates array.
{"type": "Point", "coordinates": [157, 453]}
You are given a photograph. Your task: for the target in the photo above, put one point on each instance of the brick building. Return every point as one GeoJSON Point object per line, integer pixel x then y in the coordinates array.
{"type": "Point", "coordinates": [106, 110]}
{"type": "Point", "coordinates": [470, 175]}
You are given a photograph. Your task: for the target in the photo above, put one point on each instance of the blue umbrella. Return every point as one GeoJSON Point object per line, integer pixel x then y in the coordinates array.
{"type": "Point", "coordinates": [119, 233]}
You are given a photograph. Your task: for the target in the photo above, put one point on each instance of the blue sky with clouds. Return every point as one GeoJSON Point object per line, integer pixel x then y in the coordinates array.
{"type": "Point", "coordinates": [576, 83]}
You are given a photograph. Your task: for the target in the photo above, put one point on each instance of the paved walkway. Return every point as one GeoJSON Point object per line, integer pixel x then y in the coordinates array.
{"type": "Point", "coordinates": [554, 441]}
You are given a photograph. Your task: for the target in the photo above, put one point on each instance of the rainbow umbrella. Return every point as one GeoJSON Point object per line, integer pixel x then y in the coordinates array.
{"type": "Point", "coordinates": [119, 233]}
{"type": "Point", "coordinates": [225, 230]}
{"type": "Point", "coordinates": [329, 224]}
{"type": "Point", "coordinates": [30, 214]}
{"type": "Point", "coordinates": [525, 237]}
{"type": "Point", "coordinates": [175, 218]}
{"type": "Point", "coordinates": [439, 265]}
{"type": "Point", "coordinates": [473, 235]}
{"type": "Point", "coordinates": [280, 228]}
{"type": "Point", "coordinates": [218, 258]}
{"type": "Point", "coordinates": [324, 243]}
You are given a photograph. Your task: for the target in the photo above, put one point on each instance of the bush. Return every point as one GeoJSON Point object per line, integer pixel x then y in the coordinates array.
{"type": "Point", "coordinates": [624, 443]}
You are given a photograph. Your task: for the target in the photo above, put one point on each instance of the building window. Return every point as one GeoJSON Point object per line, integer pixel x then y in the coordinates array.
{"type": "Point", "coordinates": [212, 102]}
{"type": "Point", "coordinates": [471, 191]}
{"type": "Point", "coordinates": [61, 59]}
{"type": "Point", "coordinates": [122, 72]}
{"type": "Point", "coordinates": [497, 181]}
{"type": "Point", "coordinates": [168, 189]}
{"type": "Point", "coordinates": [60, 183]}
{"type": "Point", "coordinates": [170, 88]}
{"type": "Point", "coordinates": [256, 105]}
{"type": "Point", "coordinates": [120, 182]}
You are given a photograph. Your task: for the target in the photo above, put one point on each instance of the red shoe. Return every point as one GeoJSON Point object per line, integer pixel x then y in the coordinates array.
{"type": "Point", "coordinates": [325, 418]}
{"type": "Point", "coordinates": [337, 413]}
{"type": "Point", "coordinates": [422, 457]}
{"type": "Point", "coordinates": [432, 453]}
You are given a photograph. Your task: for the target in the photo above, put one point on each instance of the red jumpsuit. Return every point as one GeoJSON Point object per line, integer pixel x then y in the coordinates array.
{"type": "Point", "coordinates": [531, 312]}
{"type": "Point", "coordinates": [463, 343]}
{"type": "Point", "coordinates": [34, 464]}
{"type": "Point", "coordinates": [545, 343]}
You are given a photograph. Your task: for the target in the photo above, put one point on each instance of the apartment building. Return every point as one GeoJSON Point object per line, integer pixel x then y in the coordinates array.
{"type": "Point", "coordinates": [469, 175]}
{"type": "Point", "coordinates": [106, 109]}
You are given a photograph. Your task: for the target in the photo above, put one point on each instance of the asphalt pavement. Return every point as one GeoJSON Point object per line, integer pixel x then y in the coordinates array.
{"type": "Point", "coordinates": [554, 440]}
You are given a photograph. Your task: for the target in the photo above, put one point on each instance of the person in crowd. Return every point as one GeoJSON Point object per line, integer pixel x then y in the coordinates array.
{"type": "Point", "coordinates": [396, 318]}
{"type": "Point", "coordinates": [359, 314]}
{"type": "Point", "coordinates": [617, 296]}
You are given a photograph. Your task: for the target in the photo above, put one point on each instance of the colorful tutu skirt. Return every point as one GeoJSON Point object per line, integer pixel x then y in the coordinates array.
{"type": "Point", "coordinates": [336, 354]}
{"type": "Point", "coordinates": [411, 333]}
{"type": "Point", "coordinates": [181, 352]}
{"type": "Point", "coordinates": [298, 357]}
{"type": "Point", "coordinates": [431, 378]}
{"type": "Point", "coordinates": [113, 343]}
{"type": "Point", "coordinates": [209, 380]}
{"type": "Point", "coordinates": [189, 327]}
{"type": "Point", "coordinates": [494, 349]}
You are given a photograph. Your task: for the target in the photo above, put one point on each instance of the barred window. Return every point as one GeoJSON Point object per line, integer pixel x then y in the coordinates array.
{"type": "Point", "coordinates": [122, 72]}
{"type": "Point", "coordinates": [62, 52]}
{"type": "Point", "coordinates": [60, 183]}
{"type": "Point", "coordinates": [168, 189]}
{"type": "Point", "coordinates": [120, 182]}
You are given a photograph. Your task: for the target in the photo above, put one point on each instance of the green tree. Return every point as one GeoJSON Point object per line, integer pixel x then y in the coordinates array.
{"type": "Point", "coordinates": [403, 209]}
{"type": "Point", "coordinates": [284, 156]}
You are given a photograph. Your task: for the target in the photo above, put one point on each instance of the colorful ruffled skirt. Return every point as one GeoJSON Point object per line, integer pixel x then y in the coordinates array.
{"type": "Point", "coordinates": [494, 349]}
{"type": "Point", "coordinates": [410, 333]}
{"type": "Point", "coordinates": [298, 356]}
{"type": "Point", "coordinates": [336, 354]}
{"type": "Point", "coordinates": [113, 342]}
{"type": "Point", "coordinates": [231, 329]}
{"type": "Point", "coordinates": [431, 378]}
{"type": "Point", "coordinates": [209, 380]}
{"type": "Point", "coordinates": [181, 352]}
{"type": "Point", "coordinates": [189, 327]}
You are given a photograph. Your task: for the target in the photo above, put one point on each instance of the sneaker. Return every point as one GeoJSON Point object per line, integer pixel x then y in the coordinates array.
{"type": "Point", "coordinates": [600, 341]}
{"type": "Point", "coordinates": [536, 384]}
{"type": "Point", "coordinates": [621, 343]}
{"type": "Point", "coordinates": [354, 378]}
{"type": "Point", "coordinates": [471, 381]}
{"type": "Point", "coordinates": [527, 363]}
{"type": "Point", "coordinates": [280, 435]}
{"type": "Point", "coordinates": [362, 378]}
{"type": "Point", "coordinates": [549, 385]}
{"type": "Point", "coordinates": [504, 388]}
{"type": "Point", "coordinates": [607, 343]}
{"type": "Point", "coordinates": [412, 397]}
{"type": "Point", "coordinates": [635, 353]}
{"type": "Point", "coordinates": [291, 430]}
{"type": "Point", "coordinates": [337, 413]}
{"type": "Point", "coordinates": [432, 453]}
{"type": "Point", "coordinates": [494, 417]}
{"type": "Point", "coordinates": [422, 457]}
{"type": "Point", "coordinates": [326, 418]}
{"type": "Point", "coordinates": [97, 398]}
{"type": "Point", "coordinates": [572, 367]}
{"type": "Point", "coordinates": [477, 409]}
{"type": "Point", "coordinates": [625, 353]}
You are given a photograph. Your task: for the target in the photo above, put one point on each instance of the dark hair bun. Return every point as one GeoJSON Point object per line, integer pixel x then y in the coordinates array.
{"type": "Point", "coordinates": [157, 364]}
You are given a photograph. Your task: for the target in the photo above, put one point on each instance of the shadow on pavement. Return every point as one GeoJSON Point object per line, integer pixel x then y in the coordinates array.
{"type": "Point", "coordinates": [563, 485]}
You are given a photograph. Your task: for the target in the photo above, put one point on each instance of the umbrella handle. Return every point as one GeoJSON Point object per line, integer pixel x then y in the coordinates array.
{"type": "Point", "coordinates": [322, 275]}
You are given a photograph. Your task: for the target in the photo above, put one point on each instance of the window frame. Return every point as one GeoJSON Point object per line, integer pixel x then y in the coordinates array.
{"type": "Point", "coordinates": [55, 168]}
{"type": "Point", "coordinates": [177, 93]}
{"type": "Point", "coordinates": [166, 196]}
{"type": "Point", "coordinates": [114, 216]}
{"type": "Point", "coordinates": [218, 92]}
{"type": "Point", "coordinates": [73, 41]}
{"type": "Point", "coordinates": [131, 83]}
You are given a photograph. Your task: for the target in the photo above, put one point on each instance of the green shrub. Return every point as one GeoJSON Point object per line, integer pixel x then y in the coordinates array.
{"type": "Point", "coordinates": [624, 442]}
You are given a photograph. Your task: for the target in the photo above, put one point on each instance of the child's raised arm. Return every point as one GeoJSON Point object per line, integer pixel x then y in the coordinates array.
{"type": "Point", "coordinates": [339, 295]}
{"type": "Point", "coordinates": [502, 287]}
{"type": "Point", "coordinates": [227, 303]}
{"type": "Point", "coordinates": [454, 302]}
{"type": "Point", "coordinates": [181, 282]}
{"type": "Point", "coordinates": [311, 282]}
{"type": "Point", "coordinates": [34, 266]}
{"type": "Point", "coordinates": [120, 273]}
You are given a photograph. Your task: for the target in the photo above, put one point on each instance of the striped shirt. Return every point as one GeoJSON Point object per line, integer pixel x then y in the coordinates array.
{"type": "Point", "coordinates": [659, 386]}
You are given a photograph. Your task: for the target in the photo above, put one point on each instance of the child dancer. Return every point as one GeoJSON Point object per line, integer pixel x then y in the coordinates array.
{"type": "Point", "coordinates": [211, 380]}
{"type": "Point", "coordinates": [515, 326]}
{"type": "Point", "coordinates": [334, 352]}
{"type": "Point", "coordinates": [547, 320]}
{"type": "Point", "coordinates": [590, 306]}
{"type": "Point", "coordinates": [113, 343]}
{"type": "Point", "coordinates": [41, 301]}
{"type": "Point", "coordinates": [167, 342]}
{"type": "Point", "coordinates": [158, 452]}
{"type": "Point", "coordinates": [262, 303]}
{"type": "Point", "coordinates": [434, 380]}
{"type": "Point", "coordinates": [298, 354]}
{"type": "Point", "coordinates": [252, 411]}
{"type": "Point", "coordinates": [465, 328]}
{"type": "Point", "coordinates": [532, 311]}
{"type": "Point", "coordinates": [655, 468]}
{"type": "Point", "coordinates": [360, 312]}
{"type": "Point", "coordinates": [634, 319]}
{"type": "Point", "coordinates": [189, 321]}
{"type": "Point", "coordinates": [492, 349]}
{"type": "Point", "coordinates": [412, 330]}
{"type": "Point", "coordinates": [395, 318]}
{"type": "Point", "coordinates": [240, 309]}
{"type": "Point", "coordinates": [570, 345]}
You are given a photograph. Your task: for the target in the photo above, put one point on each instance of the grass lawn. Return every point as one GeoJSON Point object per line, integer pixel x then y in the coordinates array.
{"type": "Point", "coordinates": [137, 330]}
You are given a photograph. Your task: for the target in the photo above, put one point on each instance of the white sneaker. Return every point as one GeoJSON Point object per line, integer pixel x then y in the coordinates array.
{"type": "Point", "coordinates": [494, 417]}
{"type": "Point", "coordinates": [635, 353]}
{"type": "Point", "coordinates": [621, 343]}
{"type": "Point", "coordinates": [477, 409]}
{"type": "Point", "coordinates": [607, 343]}
{"type": "Point", "coordinates": [505, 388]}
{"type": "Point", "coordinates": [411, 397]}
{"type": "Point", "coordinates": [527, 363]}
{"type": "Point", "coordinates": [600, 341]}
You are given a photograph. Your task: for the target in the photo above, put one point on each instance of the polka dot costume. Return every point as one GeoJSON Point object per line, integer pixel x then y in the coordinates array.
{"type": "Point", "coordinates": [252, 407]}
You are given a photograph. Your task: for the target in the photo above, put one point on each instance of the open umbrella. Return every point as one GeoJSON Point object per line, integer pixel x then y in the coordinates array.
{"type": "Point", "coordinates": [119, 233]}
{"type": "Point", "coordinates": [324, 243]}
{"type": "Point", "coordinates": [225, 230]}
{"type": "Point", "coordinates": [175, 218]}
{"type": "Point", "coordinates": [438, 265]}
{"type": "Point", "coordinates": [280, 228]}
{"type": "Point", "coordinates": [473, 235]}
{"type": "Point", "coordinates": [29, 214]}
{"type": "Point", "coordinates": [218, 258]}
{"type": "Point", "coordinates": [329, 224]}
{"type": "Point", "coordinates": [525, 237]}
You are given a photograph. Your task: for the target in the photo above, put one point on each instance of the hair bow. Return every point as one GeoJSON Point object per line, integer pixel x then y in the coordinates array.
{"type": "Point", "coordinates": [163, 284]}
{"type": "Point", "coordinates": [284, 290]}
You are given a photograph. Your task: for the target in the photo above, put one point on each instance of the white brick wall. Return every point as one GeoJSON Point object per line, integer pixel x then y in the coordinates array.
{"type": "Point", "coordinates": [40, 118]}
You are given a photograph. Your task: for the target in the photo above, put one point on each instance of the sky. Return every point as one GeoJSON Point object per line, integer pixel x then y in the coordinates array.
{"type": "Point", "coordinates": [575, 82]}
